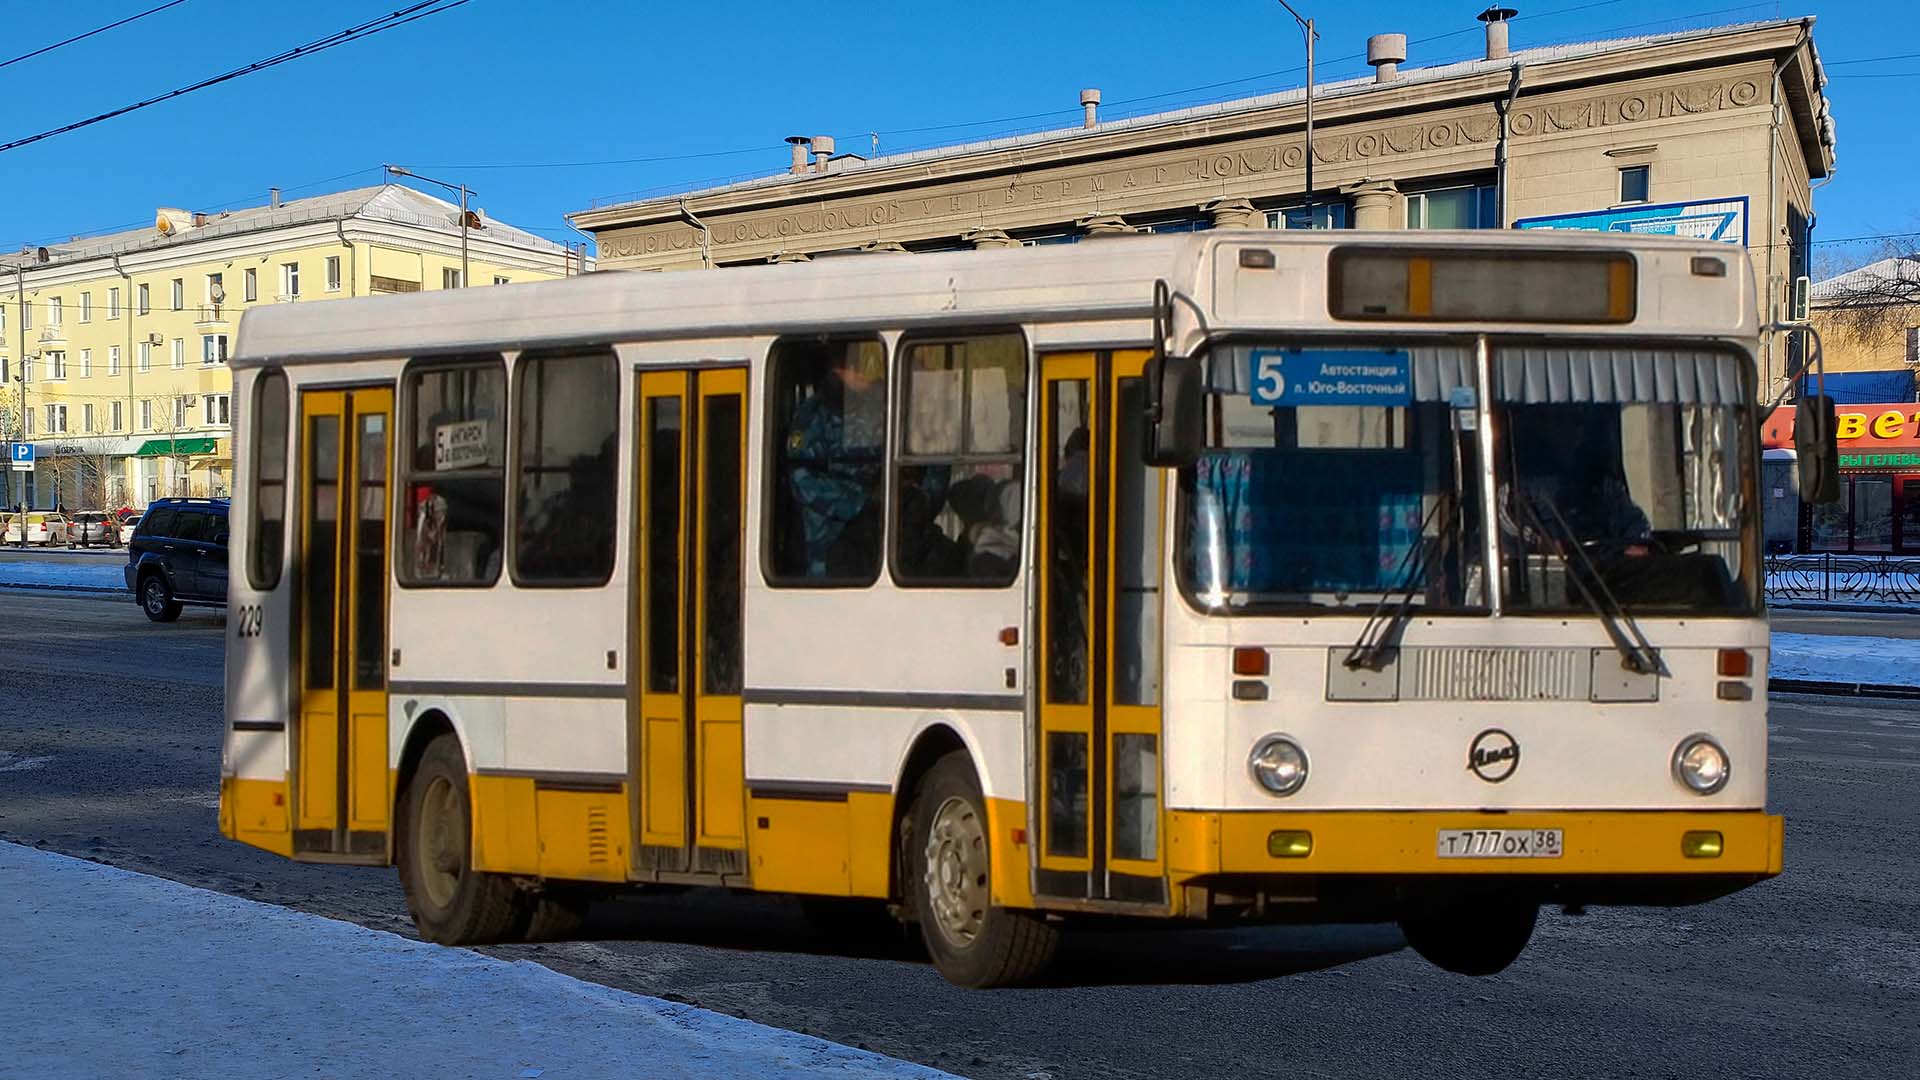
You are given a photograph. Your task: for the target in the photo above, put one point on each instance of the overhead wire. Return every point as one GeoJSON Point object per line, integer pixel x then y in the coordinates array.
{"type": "Point", "coordinates": [44, 49]}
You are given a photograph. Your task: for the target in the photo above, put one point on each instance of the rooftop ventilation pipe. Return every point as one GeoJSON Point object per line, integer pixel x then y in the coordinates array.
{"type": "Point", "coordinates": [1386, 52]}
{"type": "Point", "coordinates": [1090, 101]}
{"type": "Point", "coordinates": [273, 198]}
{"type": "Point", "coordinates": [799, 143]}
{"type": "Point", "coordinates": [822, 152]}
{"type": "Point", "coordinates": [1496, 18]}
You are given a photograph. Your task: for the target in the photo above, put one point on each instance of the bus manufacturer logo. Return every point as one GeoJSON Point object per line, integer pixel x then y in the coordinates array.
{"type": "Point", "coordinates": [1493, 756]}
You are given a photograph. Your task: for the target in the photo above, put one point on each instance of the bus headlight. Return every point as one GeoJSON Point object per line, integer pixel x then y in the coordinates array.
{"type": "Point", "coordinates": [1701, 765]}
{"type": "Point", "coordinates": [1278, 764]}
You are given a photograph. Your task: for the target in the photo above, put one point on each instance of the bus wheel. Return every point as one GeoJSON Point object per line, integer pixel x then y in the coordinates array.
{"type": "Point", "coordinates": [1471, 937]}
{"type": "Point", "coordinates": [451, 902]}
{"type": "Point", "coordinates": [972, 942]}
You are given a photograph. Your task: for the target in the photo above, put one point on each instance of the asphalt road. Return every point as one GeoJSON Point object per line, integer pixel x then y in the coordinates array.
{"type": "Point", "coordinates": [109, 743]}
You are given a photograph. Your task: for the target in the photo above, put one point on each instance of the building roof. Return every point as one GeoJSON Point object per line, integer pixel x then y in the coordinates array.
{"type": "Point", "coordinates": [384, 202]}
{"type": "Point", "coordinates": [1892, 280]}
{"type": "Point", "coordinates": [1408, 76]}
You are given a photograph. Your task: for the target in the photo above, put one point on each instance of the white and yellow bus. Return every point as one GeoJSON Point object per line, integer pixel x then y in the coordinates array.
{"type": "Point", "coordinates": [1229, 577]}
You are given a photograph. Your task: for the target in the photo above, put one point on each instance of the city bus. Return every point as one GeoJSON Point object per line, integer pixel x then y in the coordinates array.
{"type": "Point", "coordinates": [1216, 579]}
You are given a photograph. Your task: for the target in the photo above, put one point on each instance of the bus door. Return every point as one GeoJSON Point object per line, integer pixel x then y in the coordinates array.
{"type": "Point", "coordinates": [341, 794]}
{"type": "Point", "coordinates": [686, 729]}
{"type": "Point", "coordinates": [1097, 773]}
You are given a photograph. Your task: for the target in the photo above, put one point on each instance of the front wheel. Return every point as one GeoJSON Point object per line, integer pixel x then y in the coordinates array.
{"type": "Point", "coordinates": [972, 941]}
{"type": "Point", "coordinates": [156, 599]}
{"type": "Point", "coordinates": [451, 902]}
{"type": "Point", "coordinates": [1480, 936]}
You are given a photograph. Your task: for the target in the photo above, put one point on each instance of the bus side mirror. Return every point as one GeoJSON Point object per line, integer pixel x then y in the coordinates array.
{"type": "Point", "coordinates": [1173, 409]}
{"type": "Point", "coordinates": [1817, 446]}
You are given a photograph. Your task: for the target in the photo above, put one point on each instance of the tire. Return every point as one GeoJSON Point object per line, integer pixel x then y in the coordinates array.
{"type": "Point", "coordinates": [552, 913]}
{"type": "Point", "coordinates": [1471, 936]}
{"type": "Point", "coordinates": [156, 598]}
{"type": "Point", "coordinates": [973, 942]}
{"type": "Point", "coordinates": [451, 902]}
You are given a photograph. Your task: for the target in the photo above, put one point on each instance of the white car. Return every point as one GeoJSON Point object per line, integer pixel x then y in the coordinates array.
{"type": "Point", "coordinates": [43, 528]}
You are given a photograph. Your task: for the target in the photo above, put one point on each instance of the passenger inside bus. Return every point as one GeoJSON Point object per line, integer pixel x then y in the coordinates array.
{"type": "Point", "coordinates": [831, 459]}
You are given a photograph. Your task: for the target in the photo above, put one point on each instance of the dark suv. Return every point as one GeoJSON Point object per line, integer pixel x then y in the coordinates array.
{"type": "Point", "coordinates": [179, 556]}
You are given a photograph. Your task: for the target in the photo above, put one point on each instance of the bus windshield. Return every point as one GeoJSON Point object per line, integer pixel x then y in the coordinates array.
{"type": "Point", "coordinates": [1350, 476]}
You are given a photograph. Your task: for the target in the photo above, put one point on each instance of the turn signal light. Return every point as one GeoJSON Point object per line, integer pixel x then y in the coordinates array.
{"type": "Point", "coordinates": [1701, 845]}
{"type": "Point", "coordinates": [1249, 661]}
{"type": "Point", "coordinates": [1290, 843]}
{"type": "Point", "coordinates": [1735, 663]}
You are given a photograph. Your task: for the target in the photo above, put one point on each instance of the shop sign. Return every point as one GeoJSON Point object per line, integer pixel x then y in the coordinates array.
{"type": "Point", "coordinates": [1884, 437]}
{"type": "Point", "coordinates": [1724, 220]}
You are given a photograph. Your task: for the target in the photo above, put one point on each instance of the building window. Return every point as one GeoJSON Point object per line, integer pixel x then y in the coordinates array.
{"type": "Point", "coordinates": [86, 418]}
{"type": "Point", "coordinates": [28, 417]}
{"type": "Point", "coordinates": [26, 316]}
{"type": "Point", "coordinates": [177, 292]}
{"type": "Point", "coordinates": [86, 363]}
{"type": "Point", "coordinates": [1454, 208]}
{"type": "Point", "coordinates": [216, 288]}
{"type": "Point", "coordinates": [116, 416]}
{"type": "Point", "coordinates": [113, 303]}
{"type": "Point", "coordinates": [333, 273]}
{"type": "Point", "coordinates": [449, 278]}
{"type": "Point", "coordinates": [179, 411]}
{"type": "Point", "coordinates": [179, 353]}
{"type": "Point", "coordinates": [455, 474]}
{"type": "Point", "coordinates": [113, 359]}
{"type": "Point", "coordinates": [289, 281]}
{"type": "Point", "coordinates": [56, 419]}
{"type": "Point", "coordinates": [250, 285]}
{"type": "Point", "coordinates": [146, 416]}
{"type": "Point", "coordinates": [56, 364]}
{"type": "Point", "coordinates": [567, 425]}
{"type": "Point", "coordinates": [502, 279]}
{"type": "Point", "coordinates": [959, 466]}
{"type": "Point", "coordinates": [217, 408]}
{"type": "Point", "coordinates": [26, 369]}
{"type": "Point", "coordinates": [213, 349]}
{"type": "Point", "coordinates": [86, 307]}
{"type": "Point", "coordinates": [146, 357]}
{"type": "Point", "coordinates": [142, 303]}
{"type": "Point", "coordinates": [829, 408]}
{"type": "Point", "coordinates": [269, 481]}
{"type": "Point", "coordinates": [53, 311]}
{"type": "Point", "coordinates": [1331, 215]}
{"type": "Point", "coordinates": [1635, 183]}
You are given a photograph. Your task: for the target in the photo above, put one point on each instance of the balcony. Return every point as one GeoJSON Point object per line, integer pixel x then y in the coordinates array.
{"type": "Point", "coordinates": [210, 315]}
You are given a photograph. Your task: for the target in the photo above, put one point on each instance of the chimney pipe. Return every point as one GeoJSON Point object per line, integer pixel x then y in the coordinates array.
{"type": "Point", "coordinates": [273, 197]}
{"type": "Point", "coordinates": [799, 144]}
{"type": "Point", "coordinates": [822, 152]}
{"type": "Point", "coordinates": [1090, 101]}
{"type": "Point", "coordinates": [1496, 19]}
{"type": "Point", "coordinates": [1386, 52]}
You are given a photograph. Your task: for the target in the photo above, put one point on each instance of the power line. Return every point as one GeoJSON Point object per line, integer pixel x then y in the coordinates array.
{"type": "Point", "coordinates": [96, 30]}
{"type": "Point", "coordinates": [1870, 60]}
{"type": "Point", "coordinates": [367, 29]}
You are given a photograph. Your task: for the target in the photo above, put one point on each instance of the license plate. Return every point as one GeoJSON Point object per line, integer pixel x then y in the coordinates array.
{"type": "Point", "coordinates": [1498, 844]}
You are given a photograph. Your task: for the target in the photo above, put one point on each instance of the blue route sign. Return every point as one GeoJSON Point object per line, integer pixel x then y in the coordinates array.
{"type": "Point", "coordinates": [21, 456]}
{"type": "Point", "coordinates": [1330, 377]}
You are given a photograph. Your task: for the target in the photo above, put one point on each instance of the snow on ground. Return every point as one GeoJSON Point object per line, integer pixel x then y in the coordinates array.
{"type": "Point", "coordinates": [65, 574]}
{"type": "Point", "coordinates": [1843, 659]}
{"type": "Point", "coordinates": [104, 972]}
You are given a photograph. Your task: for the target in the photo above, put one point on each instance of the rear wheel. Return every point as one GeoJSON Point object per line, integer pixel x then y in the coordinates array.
{"type": "Point", "coordinates": [972, 941]}
{"type": "Point", "coordinates": [451, 902]}
{"type": "Point", "coordinates": [1471, 936]}
{"type": "Point", "coordinates": [156, 599]}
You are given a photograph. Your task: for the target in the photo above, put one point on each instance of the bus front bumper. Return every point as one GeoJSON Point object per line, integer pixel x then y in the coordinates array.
{"type": "Point", "coordinates": [1652, 856]}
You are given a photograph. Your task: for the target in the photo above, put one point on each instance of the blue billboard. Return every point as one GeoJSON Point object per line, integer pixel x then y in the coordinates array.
{"type": "Point", "coordinates": [1712, 219]}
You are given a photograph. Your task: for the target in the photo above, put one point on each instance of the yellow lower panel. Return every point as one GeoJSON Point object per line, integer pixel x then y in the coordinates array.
{"type": "Point", "coordinates": [506, 834]}
{"type": "Point", "coordinates": [1012, 883]}
{"type": "Point", "coordinates": [869, 843]}
{"type": "Point", "coordinates": [800, 846]}
{"type": "Point", "coordinates": [368, 787]}
{"type": "Point", "coordinates": [255, 812]}
{"type": "Point", "coordinates": [1366, 842]}
{"type": "Point", "coordinates": [583, 834]}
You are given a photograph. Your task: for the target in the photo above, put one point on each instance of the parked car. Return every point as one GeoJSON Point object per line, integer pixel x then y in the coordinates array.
{"type": "Point", "coordinates": [129, 519]}
{"type": "Point", "coordinates": [93, 528]}
{"type": "Point", "coordinates": [44, 528]}
{"type": "Point", "coordinates": [179, 556]}
{"type": "Point", "coordinates": [9, 529]}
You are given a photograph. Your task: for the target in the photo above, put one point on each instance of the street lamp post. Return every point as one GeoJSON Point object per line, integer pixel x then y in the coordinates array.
{"type": "Point", "coordinates": [401, 170]}
{"type": "Point", "coordinates": [1306, 29]}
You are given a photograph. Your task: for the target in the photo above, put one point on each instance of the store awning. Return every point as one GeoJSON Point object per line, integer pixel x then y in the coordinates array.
{"type": "Point", "coordinates": [175, 447]}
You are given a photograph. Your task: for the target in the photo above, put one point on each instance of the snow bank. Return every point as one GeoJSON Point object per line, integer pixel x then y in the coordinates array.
{"type": "Point", "coordinates": [1842, 659]}
{"type": "Point", "coordinates": [65, 574]}
{"type": "Point", "coordinates": [104, 972]}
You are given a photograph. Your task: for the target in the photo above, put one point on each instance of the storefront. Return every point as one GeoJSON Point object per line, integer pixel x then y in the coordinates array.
{"type": "Point", "coordinates": [1878, 512]}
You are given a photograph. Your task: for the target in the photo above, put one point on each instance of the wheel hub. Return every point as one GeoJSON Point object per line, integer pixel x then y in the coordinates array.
{"type": "Point", "coordinates": [442, 854]}
{"type": "Point", "coordinates": [956, 871]}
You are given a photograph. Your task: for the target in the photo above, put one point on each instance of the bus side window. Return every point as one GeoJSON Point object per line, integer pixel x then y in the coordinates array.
{"type": "Point", "coordinates": [961, 460]}
{"type": "Point", "coordinates": [567, 423]}
{"type": "Point", "coordinates": [455, 474]}
{"type": "Point", "coordinates": [269, 481]}
{"type": "Point", "coordinates": [829, 410]}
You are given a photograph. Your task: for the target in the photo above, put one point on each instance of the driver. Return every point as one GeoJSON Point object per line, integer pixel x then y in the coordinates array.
{"type": "Point", "coordinates": [1563, 474]}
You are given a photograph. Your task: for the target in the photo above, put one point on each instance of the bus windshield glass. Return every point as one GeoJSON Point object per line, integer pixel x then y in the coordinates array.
{"type": "Point", "coordinates": [1334, 477]}
{"type": "Point", "coordinates": [1624, 478]}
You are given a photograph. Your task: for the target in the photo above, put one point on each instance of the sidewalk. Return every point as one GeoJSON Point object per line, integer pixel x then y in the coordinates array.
{"type": "Point", "coordinates": [105, 972]}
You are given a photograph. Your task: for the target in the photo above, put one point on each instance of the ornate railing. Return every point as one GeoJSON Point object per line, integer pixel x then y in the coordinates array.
{"type": "Point", "coordinates": [1873, 579]}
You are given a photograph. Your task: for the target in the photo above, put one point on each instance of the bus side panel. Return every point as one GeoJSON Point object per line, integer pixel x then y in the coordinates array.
{"type": "Point", "coordinates": [506, 834]}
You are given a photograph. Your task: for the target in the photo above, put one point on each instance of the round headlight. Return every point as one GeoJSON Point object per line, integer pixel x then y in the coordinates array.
{"type": "Point", "coordinates": [1278, 764]}
{"type": "Point", "coordinates": [1701, 765]}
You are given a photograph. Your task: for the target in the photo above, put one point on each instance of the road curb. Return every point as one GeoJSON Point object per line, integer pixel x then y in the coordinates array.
{"type": "Point", "coordinates": [1841, 689]}
{"type": "Point", "coordinates": [1845, 608]}
{"type": "Point", "coordinates": [44, 587]}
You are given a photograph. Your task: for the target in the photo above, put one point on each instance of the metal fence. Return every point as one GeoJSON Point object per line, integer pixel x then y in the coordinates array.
{"type": "Point", "coordinates": [1865, 579]}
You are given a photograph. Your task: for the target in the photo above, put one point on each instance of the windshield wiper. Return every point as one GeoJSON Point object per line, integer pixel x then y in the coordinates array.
{"type": "Point", "coordinates": [1378, 636]}
{"type": "Point", "coordinates": [1636, 651]}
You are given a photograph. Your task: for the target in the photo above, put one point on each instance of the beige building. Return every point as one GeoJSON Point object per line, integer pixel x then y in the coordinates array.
{"type": "Point", "coordinates": [118, 343]}
{"type": "Point", "coordinates": [1869, 318]}
{"type": "Point", "coordinates": [1721, 133]}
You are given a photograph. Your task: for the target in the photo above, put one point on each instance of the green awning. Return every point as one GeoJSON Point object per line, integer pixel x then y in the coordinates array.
{"type": "Point", "coordinates": [175, 447]}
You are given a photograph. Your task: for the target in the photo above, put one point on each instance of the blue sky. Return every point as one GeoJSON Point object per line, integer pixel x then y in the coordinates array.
{"type": "Point", "coordinates": [711, 90]}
